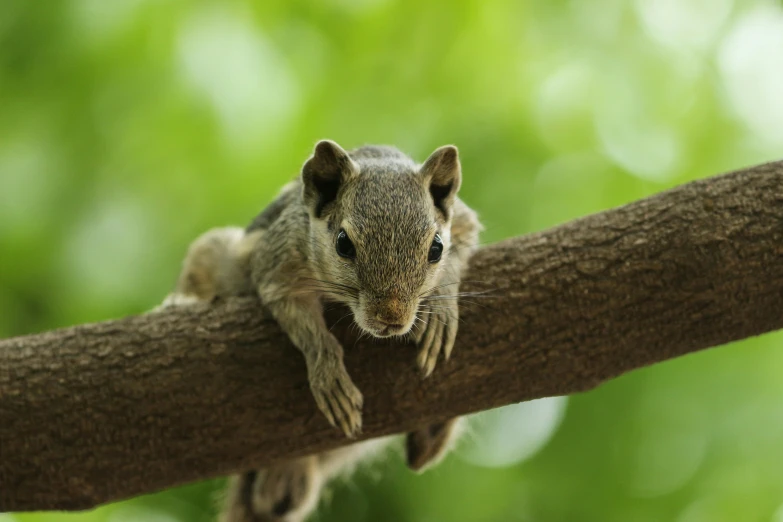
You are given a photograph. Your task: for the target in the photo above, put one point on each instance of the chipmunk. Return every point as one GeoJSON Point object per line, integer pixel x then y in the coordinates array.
{"type": "Point", "coordinates": [370, 229]}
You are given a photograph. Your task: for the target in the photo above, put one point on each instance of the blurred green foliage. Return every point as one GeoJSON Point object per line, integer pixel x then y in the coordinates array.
{"type": "Point", "coordinates": [130, 126]}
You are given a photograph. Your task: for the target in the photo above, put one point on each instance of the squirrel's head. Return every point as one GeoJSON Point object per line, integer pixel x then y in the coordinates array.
{"type": "Point", "coordinates": [380, 229]}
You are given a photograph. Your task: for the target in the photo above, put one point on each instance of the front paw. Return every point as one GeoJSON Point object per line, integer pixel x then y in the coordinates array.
{"type": "Point", "coordinates": [436, 335]}
{"type": "Point", "coordinates": [338, 398]}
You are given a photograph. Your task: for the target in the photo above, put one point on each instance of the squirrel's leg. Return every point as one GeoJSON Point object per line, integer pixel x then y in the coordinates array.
{"type": "Point", "coordinates": [438, 319]}
{"type": "Point", "coordinates": [215, 264]}
{"type": "Point", "coordinates": [426, 447]}
{"type": "Point", "coordinates": [335, 393]}
{"type": "Point", "coordinates": [435, 334]}
{"type": "Point", "coordinates": [290, 491]}
{"type": "Point", "coordinates": [284, 492]}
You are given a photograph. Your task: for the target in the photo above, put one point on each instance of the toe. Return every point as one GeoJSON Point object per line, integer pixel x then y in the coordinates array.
{"type": "Point", "coordinates": [324, 406]}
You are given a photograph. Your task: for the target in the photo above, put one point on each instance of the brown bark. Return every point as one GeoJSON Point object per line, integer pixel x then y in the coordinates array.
{"type": "Point", "coordinates": [106, 411]}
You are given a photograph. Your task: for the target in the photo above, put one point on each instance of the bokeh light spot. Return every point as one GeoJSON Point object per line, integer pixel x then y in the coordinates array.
{"type": "Point", "coordinates": [684, 24]}
{"type": "Point", "coordinates": [507, 436]}
{"type": "Point", "coordinates": [751, 66]}
{"type": "Point", "coordinates": [243, 76]}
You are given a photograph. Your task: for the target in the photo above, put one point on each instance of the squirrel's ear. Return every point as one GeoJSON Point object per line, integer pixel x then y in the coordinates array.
{"type": "Point", "coordinates": [443, 173]}
{"type": "Point", "coordinates": [322, 174]}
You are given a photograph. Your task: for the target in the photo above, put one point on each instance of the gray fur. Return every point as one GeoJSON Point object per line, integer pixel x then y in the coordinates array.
{"type": "Point", "coordinates": [391, 208]}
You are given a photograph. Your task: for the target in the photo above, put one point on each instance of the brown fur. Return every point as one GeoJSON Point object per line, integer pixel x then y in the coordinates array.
{"type": "Point", "coordinates": [391, 210]}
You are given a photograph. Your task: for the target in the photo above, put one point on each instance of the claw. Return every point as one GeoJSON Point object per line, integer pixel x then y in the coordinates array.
{"type": "Point", "coordinates": [429, 346]}
{"type": "Point", "coordinates": [352, 393]}
{"type": "Point", "coordinates": [325, 408]}
{"type": "Point", "coordinates": [340, 401]}
{"type": "Point", "coordinates": [437, 338]}
{"type": "Point", "coordinates": [345, 407]}
{"type": "Point", "coordinates": [451, 337]}
{"type": "Point", "coordinates": [432, 354]}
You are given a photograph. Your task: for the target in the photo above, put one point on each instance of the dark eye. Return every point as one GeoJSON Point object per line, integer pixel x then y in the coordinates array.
{"type": "Point", "coordinates": [345, 247]}
{"type": "Point", "coordinates": [436, 249]}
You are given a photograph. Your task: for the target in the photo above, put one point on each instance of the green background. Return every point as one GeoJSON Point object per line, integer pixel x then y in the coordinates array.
{"type": "Point", "coordinates": [127, 127]}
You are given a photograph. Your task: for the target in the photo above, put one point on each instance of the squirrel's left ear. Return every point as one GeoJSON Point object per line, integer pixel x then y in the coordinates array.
{"type": "Point", "coordinates": [443, 173]}
{"type": "Point", "coordinates": [323, 174]}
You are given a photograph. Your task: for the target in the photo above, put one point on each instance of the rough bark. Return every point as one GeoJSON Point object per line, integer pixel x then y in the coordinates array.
{"type": "Point", "coordinates": [106, 411]}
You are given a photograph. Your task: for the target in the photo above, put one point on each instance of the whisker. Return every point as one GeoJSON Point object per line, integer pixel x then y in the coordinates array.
{"type": "Point", "coordinates": [463, 303]}
{"type": "Point", "coordinates": [340, 319]}
{"type": "Point", "coordinates": [451, 283]}
{"type": "Point", "coordinates": [484, 295]}
{"type": "Point", "coordinates": [333, 284]}
{"type": "Point", "coordinates": [435, 318]}
{"type": "Point", "coordinates": [436, 309]}
{"type": "Point", "coordinates": [430, 290]}
{"type": "Point", "coordinates": [472, 303]}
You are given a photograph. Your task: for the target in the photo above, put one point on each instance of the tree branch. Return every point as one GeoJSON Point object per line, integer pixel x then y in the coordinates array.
{"type": "Point", "coordinates": [102, 412]}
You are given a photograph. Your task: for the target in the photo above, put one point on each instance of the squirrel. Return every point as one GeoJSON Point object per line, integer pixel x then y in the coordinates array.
{"type": "Point", "coordinates": [370, 229]}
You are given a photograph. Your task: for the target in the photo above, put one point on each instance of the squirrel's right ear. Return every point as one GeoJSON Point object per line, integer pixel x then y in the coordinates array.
{"type": "Point", "coordinates": [443, 172]}
{"type": "Point", "coordinates": [322, 174]}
